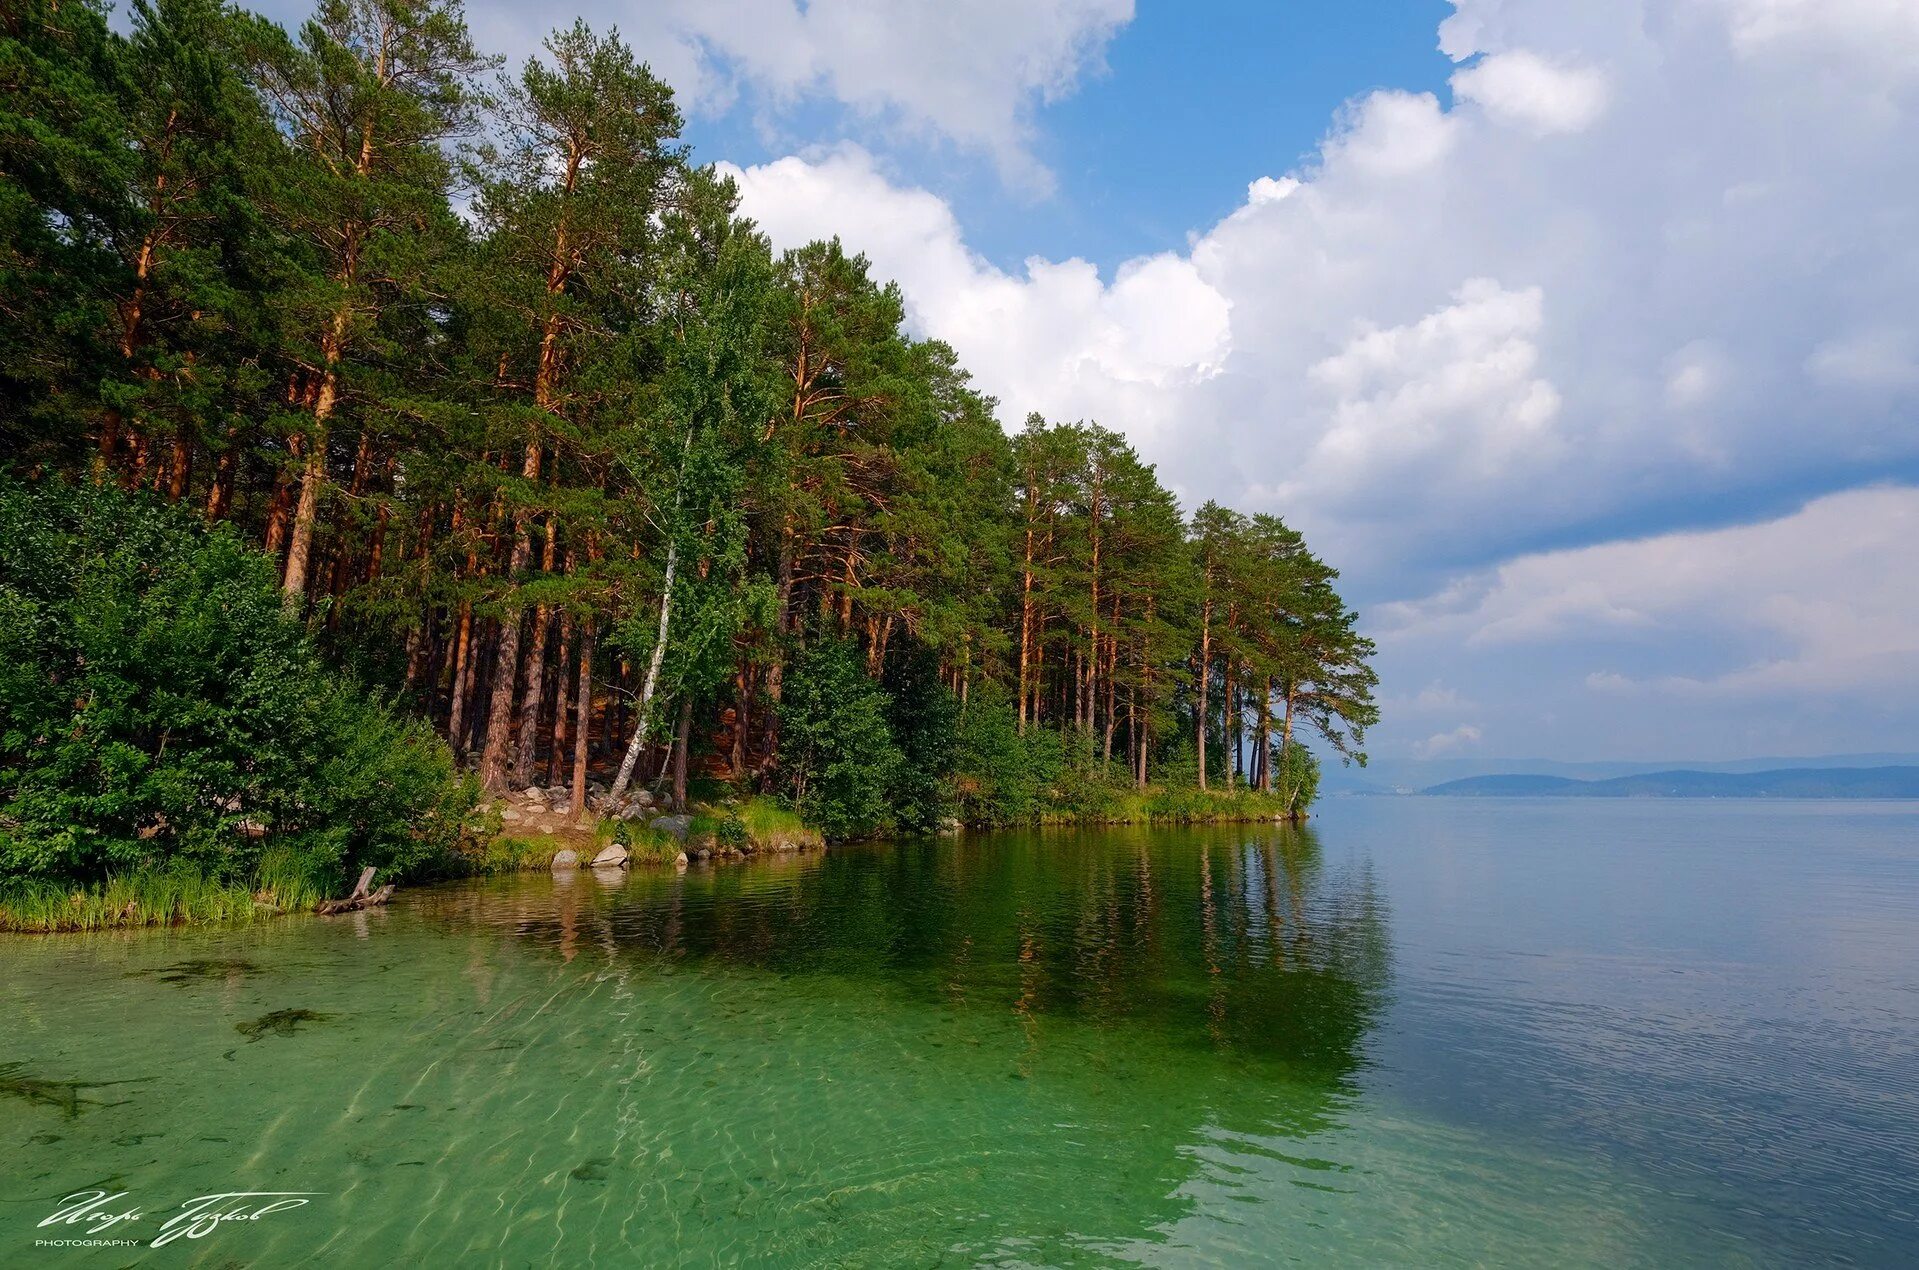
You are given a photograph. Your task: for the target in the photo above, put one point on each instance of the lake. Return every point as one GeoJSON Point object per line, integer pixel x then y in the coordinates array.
{"type": "Point", "coordinates": [1417, 1032]}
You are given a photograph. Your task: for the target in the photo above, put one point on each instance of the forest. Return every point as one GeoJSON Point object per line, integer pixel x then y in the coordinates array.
{"type": "Point", "coordinates": [536, 442]}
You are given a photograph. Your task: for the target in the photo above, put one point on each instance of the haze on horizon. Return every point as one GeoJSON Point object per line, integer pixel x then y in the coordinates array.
{"type": "Point", "coordinates": [1581, 338]}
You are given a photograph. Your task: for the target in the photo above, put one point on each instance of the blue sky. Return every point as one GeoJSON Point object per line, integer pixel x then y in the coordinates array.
{"type": "Point", "coordinates": [1580, 337]}
{"type": "Point", "coordinates": [1161, 134]}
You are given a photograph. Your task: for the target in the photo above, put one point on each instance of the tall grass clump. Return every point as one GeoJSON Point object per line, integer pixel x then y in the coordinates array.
{"type": "Point", "coordinates": [172, 895]}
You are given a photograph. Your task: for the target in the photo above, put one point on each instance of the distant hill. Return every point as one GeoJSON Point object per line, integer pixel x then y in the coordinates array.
{"type": "Point", "coordinates": [1385, 775]}
{"type": "Point", "coordinates": [1792, 782]}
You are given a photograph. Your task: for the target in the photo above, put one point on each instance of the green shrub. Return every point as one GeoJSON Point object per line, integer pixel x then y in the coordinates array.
{"type": "Point", "coordinates": [729, 831]}
{"type": "Point", "coordinates": [922, 714]}
{"type": "Point", "coordinates": [837, 756]}
{"type": "Point", "coordinates": [1001, 777]}
{"type": "Point", "coordinates": [159, 708]}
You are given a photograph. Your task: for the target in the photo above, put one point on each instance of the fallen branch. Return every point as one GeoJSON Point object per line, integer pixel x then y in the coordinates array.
{"type": "Point", "coordinates": [361, 898]}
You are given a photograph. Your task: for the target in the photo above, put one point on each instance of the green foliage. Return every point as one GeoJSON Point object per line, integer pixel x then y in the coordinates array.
{"type": "Point", "coordinates": [1296, 778]}
{"type": "Point", "coordinates": [158, 707]}
{"type": "Point", "coordinates": [837, 754]}
{"type": "Point", "coordinates": [922, 716]}
{"type": "Point", "coordinates": [1001, 777]}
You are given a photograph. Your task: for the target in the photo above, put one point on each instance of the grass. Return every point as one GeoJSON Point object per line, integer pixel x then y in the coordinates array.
{"type": "Point", "coordinates": [752, 825]}
{"type": "Point", "coordinates": [769, 825]}
{"type": "Point", "coordinates": [509, 854]}
{"type": "Point", "coordinates": [645, 844]}
{"type": "Point", "coordinates": [1095, 803]}
{"type": "Point", "coordinates": [161, 897]}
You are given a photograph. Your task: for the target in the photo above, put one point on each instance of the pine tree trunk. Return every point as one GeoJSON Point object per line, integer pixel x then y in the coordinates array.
{"type": "Point", "coordinates": [1264, 757]}
{"type": "Point", "coordinates": [506, 661]}
{"type": "Point", "coordinates": [562, 704]}
{"type": "Point", "coordinates": [462, 649]}
{"type": "Point", "coordinates": [1286, 748]}
{"type": "Point", "coordinates": [220, 494]}
{"type": "Point", "coordinates": [775, 673]}
{"type": "Point", "coordinates": [313, 472]}
{"type": "Point", "coordinates": [1205, 678]}
{"type": "Point", "coordinates": [535, 669]}
{"type": "Point", "coordinates": [582, 719]}
{"type": "Point", "coordinates": [682, 735]}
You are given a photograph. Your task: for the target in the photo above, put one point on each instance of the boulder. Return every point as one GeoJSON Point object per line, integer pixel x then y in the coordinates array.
{"type": "Point", "coordinates": [567, 859]}
{"type": "Point", "coordinates": [613, 857]}
{"type": "Point", "coordinates": [644, 797]}
{"type": "Point", "coordinates": [674, 825]}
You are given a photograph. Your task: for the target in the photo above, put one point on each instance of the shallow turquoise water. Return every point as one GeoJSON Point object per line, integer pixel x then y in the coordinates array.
{"type": "Point", "coordinates": [1421, 1032]}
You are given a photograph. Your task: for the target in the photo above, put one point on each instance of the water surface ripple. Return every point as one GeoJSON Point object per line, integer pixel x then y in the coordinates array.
{"type": "Point", "coordinates": [1422, 1032]}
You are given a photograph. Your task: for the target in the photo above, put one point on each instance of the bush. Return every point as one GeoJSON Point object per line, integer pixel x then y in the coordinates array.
{"type": "Point", "coordinates": [159, 708]}
{"type": "Point", "coordinates": [1001, 777]}
{"type": "Point", "coordinates": [923, 716]}
{"type": "Point", "coordinates": [837, 755]}
{"type": "Point", "coordinates": [1297, 779]}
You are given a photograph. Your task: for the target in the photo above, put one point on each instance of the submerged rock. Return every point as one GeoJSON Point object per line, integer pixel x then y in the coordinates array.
{"type": "Point", "coordinates": [205, 968]}
{"type": "Point", "coordinates": [279, 1023]}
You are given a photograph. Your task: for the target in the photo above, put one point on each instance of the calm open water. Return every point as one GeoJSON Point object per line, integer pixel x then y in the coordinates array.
{"type": "Point", "coordinates": [1421, 1032]}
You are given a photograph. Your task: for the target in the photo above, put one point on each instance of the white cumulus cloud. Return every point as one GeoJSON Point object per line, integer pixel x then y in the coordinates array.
{"type": "Point", "coordinates": [1522, 88]}
{"type": "Point", "coordinates": [1641, 263]}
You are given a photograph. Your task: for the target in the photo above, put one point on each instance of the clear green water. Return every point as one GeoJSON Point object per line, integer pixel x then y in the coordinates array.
{"type": "Point", "coordinates": [1420, 1033]}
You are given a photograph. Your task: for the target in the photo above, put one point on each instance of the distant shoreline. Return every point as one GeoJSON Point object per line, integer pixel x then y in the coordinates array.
{"type": "Point", "coordinates": [1801, 784]}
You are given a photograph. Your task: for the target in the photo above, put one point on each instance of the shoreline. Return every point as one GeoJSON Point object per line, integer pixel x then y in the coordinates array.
{"type": "Point", "coordinates": [172, 900]}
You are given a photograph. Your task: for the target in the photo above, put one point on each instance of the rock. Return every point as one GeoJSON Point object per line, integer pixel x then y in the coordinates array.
{"type": "Point", "coordinates": [566, 859]}
{"type": "Point", "coordinates": [635, 811]}
{"type": "Point", "coordinates": [612, 857]}
{"type": "Point", "coordinates": [674, 825]}
{"type": "Point", "coordinates": [509, 816]}
{"type": "Point", "coordinates": [679, 861]}
{"type": "Point", "coordinates": [532, 795]}
{"type": "Point", "coordinates": [644, 797]}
